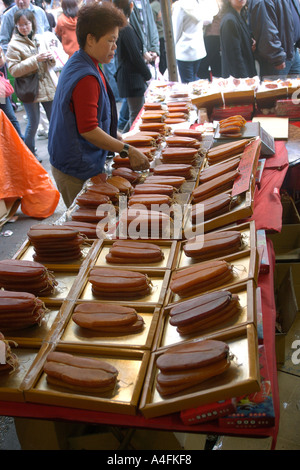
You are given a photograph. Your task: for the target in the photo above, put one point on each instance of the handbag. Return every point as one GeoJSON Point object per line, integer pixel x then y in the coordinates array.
{"type": "Point", "coordinates": [5, 87]}
{"type": "Point", "coordinates": [26, 88]}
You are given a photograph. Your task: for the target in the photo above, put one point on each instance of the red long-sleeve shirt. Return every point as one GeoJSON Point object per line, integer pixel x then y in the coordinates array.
{"type": "Point", "coordinates": [84, 101]}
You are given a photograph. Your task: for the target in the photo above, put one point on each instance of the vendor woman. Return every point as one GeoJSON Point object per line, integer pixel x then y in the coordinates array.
{"type": "Point", "coordinates": [83, 127]}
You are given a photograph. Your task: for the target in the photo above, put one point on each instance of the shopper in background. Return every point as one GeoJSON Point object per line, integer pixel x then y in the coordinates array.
{"type": "Point", "coordinates": [24, 57]}
{"type": "Point", "coordinates": [6, 32]}
{"type": "Point", "coordinates": [210, 65]}
{"type": "Point", "coordinates": [132, 72]}
{"type": "Point", "coordinates": [110, 72]}
{"type": "Point", "coordinates": [83, 127]}
{"type": "Point", "coordinates": [8, 23]}
{"type": "Point", "coordinates": [43, 4]}
{"type": "Point", "coordinates": [54, 7]}
{"type": "Point", "coordinates": [188, 19]}
{"type": "Point", "coordinates": [5, 102]}
{"type": "Point", "coordinates": [237, 45]}
{"type": "Point", "coordinates": [7, 4]}
{"type": "Point", "coordinates": [49, 14]}
{"type": "Point", "coordinates": [43, 128]}
{"type": "Point", "coordinates": [66, 26]}
{"type": "Point", "coordinates": [142, 21]}
{"type": "Point", "coordinates": [156, 10]}
{"type": "Point", "coordinates": [275, 25]}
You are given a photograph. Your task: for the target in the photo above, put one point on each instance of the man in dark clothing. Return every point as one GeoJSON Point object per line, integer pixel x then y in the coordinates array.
{"type": "Point", "coordinates": [275, 26]}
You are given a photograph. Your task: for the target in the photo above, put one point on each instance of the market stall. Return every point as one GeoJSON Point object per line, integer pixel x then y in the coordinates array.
{"type": "Point", "coordinates": [250, 206]}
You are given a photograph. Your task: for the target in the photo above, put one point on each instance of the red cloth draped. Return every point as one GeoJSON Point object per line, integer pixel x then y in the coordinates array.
{"type": "Point", "coordinates": [267, 207]}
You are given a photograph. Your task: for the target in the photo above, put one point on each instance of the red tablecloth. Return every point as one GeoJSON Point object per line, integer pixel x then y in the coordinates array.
{"type": "Point", "coordinates": [172, 422]}
{"type": "Point", "coordinates": [267, 207]}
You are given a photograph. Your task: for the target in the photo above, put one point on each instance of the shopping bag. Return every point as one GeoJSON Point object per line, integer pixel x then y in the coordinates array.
{"type": "Point", "coordinates": [6, 88]}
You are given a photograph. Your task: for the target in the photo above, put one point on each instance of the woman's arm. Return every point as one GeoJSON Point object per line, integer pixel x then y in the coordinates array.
{"type": "Point", "coordinates": [85, 98]}
{"type": "Point", "coordinates": [101, 139]}
{"type": "Point", "coordinates": [17, 65]}
{"type": "Point", "coordinates": [2, 57]}
{"type": "Point", "coordinates": [264, 25]}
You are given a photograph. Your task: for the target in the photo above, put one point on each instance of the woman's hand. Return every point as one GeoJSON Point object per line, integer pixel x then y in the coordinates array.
{"type": "Point", "coordinates": [280, 66]}
{"type": "Point", "coordinates": [148, 57]}
{"type": "Point", "coordinates": [101, 139]}
{"type": "Point", "coordinates": [44, 56]}
{"type": "Point", "coordinates": [2, 57]}
{"type": "Point", "coordinates": [119, 135]}
{"type": "Point", "coordinates": [138, 161]}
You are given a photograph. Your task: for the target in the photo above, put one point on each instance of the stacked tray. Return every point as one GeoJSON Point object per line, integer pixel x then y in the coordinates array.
{"type": "Point", "coordinates": [242, 377]}
{"type": "Point", "coordinates": [130, 365]}
{"type": "Point", "coordinates": [223, 207]}
{"type": "Point", "coordinates": [243, 267]}
{"type": "Point", "coordinates": [134, 353]}
{"type": "Point", "coordinates": [167, 335]}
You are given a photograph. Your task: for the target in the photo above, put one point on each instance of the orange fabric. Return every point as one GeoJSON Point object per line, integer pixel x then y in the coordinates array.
{"type": "Point", "coordinates": [66, 31]}
{"type": "Point", "coordinates": [22, 176]}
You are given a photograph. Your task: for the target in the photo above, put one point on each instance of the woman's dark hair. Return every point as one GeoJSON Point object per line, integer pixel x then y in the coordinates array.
{"type": "Point", "coordinates": [70, 8]}
{"type": "Point", "coordinates": [29, 15]}
{"type": "Point", "coordinates": [98, 19]}
{"type": "Point", "coordinates": [124, 5]}
{"type": "Point", "coordinates": [227, 7]}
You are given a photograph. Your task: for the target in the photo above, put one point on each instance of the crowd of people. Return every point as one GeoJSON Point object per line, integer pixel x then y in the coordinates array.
{"type": "Point", "coordinates": [90, 54]}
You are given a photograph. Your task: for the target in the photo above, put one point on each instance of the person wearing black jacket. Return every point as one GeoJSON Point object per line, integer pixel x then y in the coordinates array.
{"type": "Point", "coordinates": [236, 43]}
{"type": "Point", "coordinates": [275, 25]}
{"type": "Point", "coordinates": [132, 71]}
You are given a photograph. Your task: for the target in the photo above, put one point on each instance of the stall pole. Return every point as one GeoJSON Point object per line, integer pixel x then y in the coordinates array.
{"type": "Point", "coordinates": [169, 39]}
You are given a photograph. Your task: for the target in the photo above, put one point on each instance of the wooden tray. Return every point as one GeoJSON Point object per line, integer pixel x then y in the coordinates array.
{"type": "Point", "coordinates": [64, 290]}
{"type": "Point", "coordinates": [167, 335]}
{"type": "Point", "coordinates": [37, 334]}
{"type": "Point", "coordinates": [241, 211]}
{"type": "Point", "coordinates": [197, 164]}
{"type": "Point", "coordinates": [11, 384]}
{"type": "Point", "coordinates": [266, 98]}
{"type": "Point", "coordinates": [168, 248]}
{"type": "Point", "coordinates": [241, 378]}
{"type": "Point", "coordinates": [208, 100]}
{"type": "Point", "coordinates": [73, 334]}
{"type": "Point", "coordinates": [159, 279]}
{"type": "Point", "coordinates": [26, 252]}
{"type": "Point", "coordinates": [124, 400]}
{"type": "Point", "coordinates": [249, 239]}
{"type": "Point", "coordinates": [245, 266]}
{"type": "Point", "coordinates": [238, 97]}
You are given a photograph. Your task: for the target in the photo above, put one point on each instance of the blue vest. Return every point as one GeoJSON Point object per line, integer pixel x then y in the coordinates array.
{"type": "Point", "coordinates": [69, 151]}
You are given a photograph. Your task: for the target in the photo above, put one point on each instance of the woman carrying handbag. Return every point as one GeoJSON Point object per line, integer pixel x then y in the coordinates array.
{"type": "Point", "coordinates": [26, 62]}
